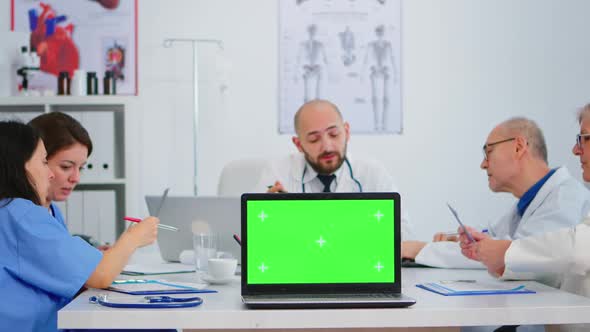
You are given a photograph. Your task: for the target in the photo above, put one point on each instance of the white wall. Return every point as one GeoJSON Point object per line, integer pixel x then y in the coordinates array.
{"type": "Point", "coordinates": [466, 66]}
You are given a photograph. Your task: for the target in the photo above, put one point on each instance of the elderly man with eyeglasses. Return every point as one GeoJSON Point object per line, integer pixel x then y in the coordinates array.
{"type": "Point", "coordinates": [564, 251]}
{"type": "Point", "coordinates": [515, 161]}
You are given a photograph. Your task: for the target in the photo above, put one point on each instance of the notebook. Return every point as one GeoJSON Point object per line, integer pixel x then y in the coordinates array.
{"type": "Point", "coordinates": [321, 250]}
{"type": "Point", "coordinates": [222, 214]}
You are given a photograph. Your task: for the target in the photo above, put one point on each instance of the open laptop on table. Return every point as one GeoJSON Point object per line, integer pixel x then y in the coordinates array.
{"type": "Point", "coordinates": [321, 250]}
{"type": "Point", "coordinates": [222, 214]}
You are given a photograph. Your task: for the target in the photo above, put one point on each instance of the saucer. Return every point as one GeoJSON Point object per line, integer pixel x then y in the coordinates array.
{"type": "Point", "coordinates": [211, 280]}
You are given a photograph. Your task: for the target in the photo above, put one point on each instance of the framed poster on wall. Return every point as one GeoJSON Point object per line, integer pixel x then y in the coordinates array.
{"type": "Point", "coordinates": [89, 35]}
{"type": "Point", "coordinates": [348, 52]}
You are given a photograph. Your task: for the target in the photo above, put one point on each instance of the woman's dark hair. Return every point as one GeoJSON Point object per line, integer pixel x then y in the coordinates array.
{"type": "Point", "coordinates": [18, 142]}
{"type": "Point", "coordinates": [60, 131]}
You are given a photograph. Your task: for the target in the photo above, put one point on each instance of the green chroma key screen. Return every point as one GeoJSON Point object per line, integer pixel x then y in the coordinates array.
{"type": "Point", "coordinates": [320, 241]}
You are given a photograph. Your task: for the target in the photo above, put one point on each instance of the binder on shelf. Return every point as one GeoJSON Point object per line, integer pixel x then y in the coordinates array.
{"type": "Point", "coordinates": [74, 212]}
{"type": "Point", "coordinates": [101, 128]}
{"type": "Point", "coordinates": [91, 214]}
{"type": "Point", "coordinates": [107, 217]}
{"type": "Point", "coordinates": [100, 215]}
{"type": "Point", "coordinates": [473, 287]}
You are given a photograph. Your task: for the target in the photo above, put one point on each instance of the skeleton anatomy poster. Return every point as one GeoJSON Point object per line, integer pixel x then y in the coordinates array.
{"type": "Point", "coordinates": [345, 51]}
{"type": "Point", "coordinates": [86, 35]}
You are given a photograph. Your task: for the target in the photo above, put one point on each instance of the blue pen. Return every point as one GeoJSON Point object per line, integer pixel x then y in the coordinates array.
{"type": "Point", "coordinates": [460, 223]}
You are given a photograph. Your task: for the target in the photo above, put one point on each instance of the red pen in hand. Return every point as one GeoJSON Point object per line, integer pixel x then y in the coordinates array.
{"type": "Point", "coordinates": [162, 226]}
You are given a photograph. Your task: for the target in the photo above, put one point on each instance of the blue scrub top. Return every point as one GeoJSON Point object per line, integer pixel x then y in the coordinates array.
{"type": "Point", "coordinates": [56, 213]}
{"type": "Point", "coordinates": [42, 266]}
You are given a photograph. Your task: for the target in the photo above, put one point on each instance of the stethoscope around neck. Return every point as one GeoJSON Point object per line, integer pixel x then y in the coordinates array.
{"type": "Point", "coordinates": [349, 170]}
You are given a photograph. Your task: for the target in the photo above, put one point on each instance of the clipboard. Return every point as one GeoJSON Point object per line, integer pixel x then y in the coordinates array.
{"type": "Point", "coordinates": [153, 287]}
{"type": "Point", "coordinates": [472, 287]}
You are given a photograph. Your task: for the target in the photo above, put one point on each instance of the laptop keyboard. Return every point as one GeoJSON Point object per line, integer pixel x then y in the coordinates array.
{"type": "Point", "coordinates": [320, 297]}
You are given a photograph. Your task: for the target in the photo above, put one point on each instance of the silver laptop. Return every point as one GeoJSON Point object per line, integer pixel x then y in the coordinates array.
{"type": "Point", "coordinates": [324, 250]}
{"type": "Point", "coordinates": [222, 214]}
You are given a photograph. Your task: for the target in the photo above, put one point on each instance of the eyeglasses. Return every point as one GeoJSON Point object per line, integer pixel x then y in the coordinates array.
{"type": "Point", "coordinates": [579, 140]}
{"type": "Point", "coordinates": [488, 145]}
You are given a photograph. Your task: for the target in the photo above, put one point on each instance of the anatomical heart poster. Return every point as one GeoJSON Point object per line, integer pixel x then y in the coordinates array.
{"type": "Point", "coordinates": [80, 35]}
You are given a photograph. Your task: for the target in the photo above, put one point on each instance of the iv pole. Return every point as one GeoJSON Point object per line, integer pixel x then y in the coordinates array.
{"type": "Point", "coordinates": [168, 43]}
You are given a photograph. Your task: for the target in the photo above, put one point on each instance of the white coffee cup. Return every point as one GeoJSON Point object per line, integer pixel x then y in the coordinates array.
{"type": "Point", "coordinates": [222, 268]}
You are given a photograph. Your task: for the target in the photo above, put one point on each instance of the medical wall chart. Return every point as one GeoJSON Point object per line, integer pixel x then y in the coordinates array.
{"type": "Point", "coordinates": [345, 51]}
{"type": "Point", "coordinates": [91, 35]}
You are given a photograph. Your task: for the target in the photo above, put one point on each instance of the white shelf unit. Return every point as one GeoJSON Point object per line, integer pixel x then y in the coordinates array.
{"type": "Point", "coordinates": [98, 204]}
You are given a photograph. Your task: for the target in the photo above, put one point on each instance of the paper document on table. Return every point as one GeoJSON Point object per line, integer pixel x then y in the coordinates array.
{"type": "Point", "coordinates": [157, 268]}
{"type": "Point", "coordinates": [156, 287]}
{"type": "Point", "coordinates": [473, 287]}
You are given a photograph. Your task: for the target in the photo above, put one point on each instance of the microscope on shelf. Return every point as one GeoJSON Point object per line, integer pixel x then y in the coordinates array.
{"type": "Point", "coordinates": [28, 66]}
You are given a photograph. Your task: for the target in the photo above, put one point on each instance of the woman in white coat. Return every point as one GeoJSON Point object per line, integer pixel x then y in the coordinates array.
{"type": "Point", "coordinates": [563, 250]}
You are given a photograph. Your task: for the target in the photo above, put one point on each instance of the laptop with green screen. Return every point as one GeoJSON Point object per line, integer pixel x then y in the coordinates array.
{"type": "Point", "coordinates": [321, 250]}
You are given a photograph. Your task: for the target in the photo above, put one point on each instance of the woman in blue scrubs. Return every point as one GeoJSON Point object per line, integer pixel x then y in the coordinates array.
{"type": "Point", "coordinates": [68, 146]}
{"type": "Point", "coordinates": [42, 267]}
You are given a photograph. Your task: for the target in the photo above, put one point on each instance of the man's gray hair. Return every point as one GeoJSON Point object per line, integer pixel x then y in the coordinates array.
{"type": "Point", "coordinates": [533, 134]}
{"type": "Point", "coordinates": [583, 113]}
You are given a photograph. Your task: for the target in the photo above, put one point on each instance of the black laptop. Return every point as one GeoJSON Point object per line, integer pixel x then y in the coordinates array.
{"type": "Point", "coordinates": [321, 250]}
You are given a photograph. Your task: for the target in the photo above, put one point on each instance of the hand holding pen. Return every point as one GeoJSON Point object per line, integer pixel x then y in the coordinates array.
{"type": "Point", "coordinates": [276, 188]}
{"type": "Point", "coordinates": [475, 234]}
{"type": "Point", "coordinates": [162, 226]}
{"type": "Point", "coordinates": [469, 239]}
{"type": "Point", "coordinates": [145, 232]}
{"type": "Point", "coordinates": [157, 214]}
{"type": "Point", "coordinates": [485, 249]}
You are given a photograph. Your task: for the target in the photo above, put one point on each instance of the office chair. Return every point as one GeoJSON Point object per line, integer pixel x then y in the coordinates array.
{"type": "Point", "coordinates": [240, 176]}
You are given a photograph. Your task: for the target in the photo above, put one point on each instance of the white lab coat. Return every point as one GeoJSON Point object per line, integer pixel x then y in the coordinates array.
{"type": "Point", "coordinates": [565, 251]}
{"type": "Point", "coordinates": [561, 202]}
{"type": "Point", "coordinates": [371, 175]}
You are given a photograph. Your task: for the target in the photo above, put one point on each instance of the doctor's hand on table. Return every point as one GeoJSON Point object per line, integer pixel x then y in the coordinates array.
{"type": "Point", "coordinates": [441, 237]}
{"type": "Point", "coordinates": [486, 250]}
{"type": "Point", "coordinates": [411, 249]}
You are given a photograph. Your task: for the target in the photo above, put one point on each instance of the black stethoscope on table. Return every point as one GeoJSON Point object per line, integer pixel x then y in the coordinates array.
{"type": "Point", "coordinates": [349, 169]}
{"type": "Point", "coordinates": [149, 302]}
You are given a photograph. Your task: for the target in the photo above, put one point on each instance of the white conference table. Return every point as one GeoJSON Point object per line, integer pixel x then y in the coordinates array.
{"type": "Point", "coordinates": [224, 310]}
